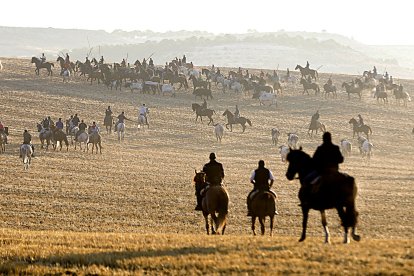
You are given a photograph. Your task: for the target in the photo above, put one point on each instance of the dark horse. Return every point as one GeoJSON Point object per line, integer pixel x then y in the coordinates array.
{"type": "Point", "coordinates": [352, 90]}
{"type": "Point", "coordinates": [358, 129]}
{"type": "Point", "coordinates": [263, 205]}
{"type": "Point", "coordinates": [39, 65]}
{"type": "Point", "coordinates": [200, 112]}
{"type": "Point", "coordinates": [307, 85]}
{"type": "Point", "coordinates": [329, 88]}
{"type": "Point", "coordinates": [108, 121]}
{"type": "Point", "coordinates": [215, 203]}
{"type": "Point", "coordinates": [334, 191]}
{"type": "Point", "coordinates": [306, 71]}
{"type": "Point", "coordinates": [199, 83]}
{"type": "Point", "coordinates": [234, 121]}
{"type": "Point", "coordinates": [59, 136]}
{"type": "Point", "coordinates": [95, 139]}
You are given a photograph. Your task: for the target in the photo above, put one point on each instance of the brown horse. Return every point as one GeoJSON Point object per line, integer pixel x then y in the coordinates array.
{"type": "Point", "coordinates": [59, 136]}
{"type": "Point", "coordinates": [39, 65]}
{"type": "Point", "coordinates": [336, 191]}
{"type": "Point", "coordinates": [263, 205]}
{"type": "Point", "coordinates": [307, 86]}
{"type": "Point", "coordinates": [204, 112]}
{"type": "Point", "coordinates": [350, 89]}
{"type": "Point", "coordinates": [231, 120]}
{"type": "Point", "coordinates": [304, 71]}
{"type": "Point", "coordinates": [358, 129]}
{"type": "Point", "coordinates": [315, 126]}
{"type": "Point", "coordinates": [95, 139]}
{"type": "Point", "coordinates": [215, 203]}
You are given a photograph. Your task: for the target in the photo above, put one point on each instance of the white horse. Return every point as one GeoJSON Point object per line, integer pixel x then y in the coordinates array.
{"type": "Point", "coordinates": [66, 75]}
{"type": "Point", "coordinates": [26, 153]}
{"type": "Point", "coordinates": [293, 140]}
{"type": "Point", "coordinates": [236, 87]}
{"type": "Point", "coordinates": [120, 129]}
{"type": "Point", "coordinates": [218, 131]}
{"type": "Point", "coordinates": [275, 135]}
{"type": "Point", "coordinates": [267, 97]}
{"type": "Point", "coordinates": [142, 121]}
{"type": "Point", "coordinates": [82, 138]}
{"type": "Point", "coordinates": [72, 131]}
{"type": "Point", "coordinates": [168, 89]}
{"type": "Point", "coordinates": [346, 147]}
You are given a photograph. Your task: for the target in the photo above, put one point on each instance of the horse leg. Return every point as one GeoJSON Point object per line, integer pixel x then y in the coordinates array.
{"type": "Point", "coordinates": [213, 222]}
{"type": "Point", "coordinates": [253, 225]}
{"type": "Point", "coordinates": [325, 226]}
{"type": "Point", "coordinates": [344, 221]}
{"type": "Point", "coordinates": [305, 214]}
{"type": "Point", "coordinates": [262, 226]}
{"type": "Point", "coordinates": [271, 224]}
{"type": "Point", "coordinates": [207, 225]}
{"type": "Point", "coordinates": [244, 128]}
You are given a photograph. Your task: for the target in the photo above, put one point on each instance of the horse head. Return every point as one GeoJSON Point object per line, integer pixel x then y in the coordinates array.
{"type": "Point", "coordinates": [352, 121]}
{"type": "Point", "coordinates": [39, 127]}
{"type": "Point", "coordinates": [298, 67]}
{"type": "Point", "coordinates": [35, 60]}
{"type": "Point", "coordinates": [227, 112]}
{"type": "Point", "coordinates": [298, 161]}
{"type": "Point", "coordinates": [200, 177]}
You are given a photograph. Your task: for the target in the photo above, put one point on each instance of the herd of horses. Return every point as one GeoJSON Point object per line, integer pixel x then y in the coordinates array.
{"type": "Point", "coordinates": [338, 193]}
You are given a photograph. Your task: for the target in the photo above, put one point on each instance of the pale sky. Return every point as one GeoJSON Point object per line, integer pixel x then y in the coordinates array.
{"type": "Point", "coordinates": [370, 22]}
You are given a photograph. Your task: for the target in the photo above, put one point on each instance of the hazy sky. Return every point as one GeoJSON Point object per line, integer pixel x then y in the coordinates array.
{"type": "Point", "coordinates": [370, 22]}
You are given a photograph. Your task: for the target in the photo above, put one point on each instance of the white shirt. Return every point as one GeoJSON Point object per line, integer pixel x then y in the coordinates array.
{"type": "Point", "coordinates": [143, 110]}
{"type": "Point", "coordinates": [254, 174]}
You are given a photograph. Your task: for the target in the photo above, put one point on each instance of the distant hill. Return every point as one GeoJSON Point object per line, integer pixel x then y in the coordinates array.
{"type": "Point", "coordinates": [329, 52]}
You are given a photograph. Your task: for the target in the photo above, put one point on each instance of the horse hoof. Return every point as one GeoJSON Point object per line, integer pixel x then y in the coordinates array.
{"type": "Point", "coordinates": [356, 238]}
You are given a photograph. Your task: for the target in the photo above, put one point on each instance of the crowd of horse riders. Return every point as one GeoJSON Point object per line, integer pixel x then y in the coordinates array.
{"type": "Point", "coordinates": [326, 158]}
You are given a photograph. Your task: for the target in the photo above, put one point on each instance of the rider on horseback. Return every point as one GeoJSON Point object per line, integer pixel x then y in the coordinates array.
{"type": "Point", "coordinates": [143, 110]}
{"type": "Point", "coordinates": [314, 120]}
{"type": "Point", "coordinates": [75, 120]}
{"type": "Point", "coordinates": [361, 121]}
{"type": "Point", "coordinates": [42, 58]}
{"type": "Point", "coordinates": [204, 105]}
{"type": "Point", "coordinates": [27, 139]}
{"type": "Point", "coordinates": [327, 156]}
{"type": "Point", "coordinates": [121, 119]}
{"type": "Point", "coordinates": [93, 128]}
{"type": "Point", "coordinates": [307, 64]}
{"type": "Point", "coordinates": [260, 179]}
{"type": "Point", "coordinates": [236, 113]}
{"type": "Point", "coordinates": [82, 127]}
{"type": "Point", "coordinates": [59, 124]}
{"type": "Point", "coordinates": [214, 175]}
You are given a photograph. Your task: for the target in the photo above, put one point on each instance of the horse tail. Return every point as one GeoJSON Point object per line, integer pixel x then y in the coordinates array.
{"type": "Point", "coordinates": [249, 122]}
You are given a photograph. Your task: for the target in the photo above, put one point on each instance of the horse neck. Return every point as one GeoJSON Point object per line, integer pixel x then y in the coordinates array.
{"type": "Point", "coordinates": [305, 168]}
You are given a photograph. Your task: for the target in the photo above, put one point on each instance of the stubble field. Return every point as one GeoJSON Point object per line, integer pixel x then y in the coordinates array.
{"type": "Point", "coordinates": [130, 210]}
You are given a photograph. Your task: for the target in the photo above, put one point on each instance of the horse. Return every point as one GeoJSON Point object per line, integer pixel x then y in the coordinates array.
{"type": "Point", "coordinates": [401, 95]}
{"type": "Point", "coordinates": [307, 85]}
{"type": "Point", "coordinates": [358, 129]}
{"type": "Point", "coordinates": [82, 138]}
{"type": "Point", "coordinates": [44, 135]}
{"type": "Point", "coordinates": [316, 125]}
{"type": "Point", "coordinates": [142, 121]}
{"type": "Point", "coordinates": [200, 112]}
{"type": "Point", "coordinates": [304, 71]}
{"type": "Point", "coordinates": [120, 129]}
{"type": "Point", "coordinates": [215, 203]}
{"type": "Point", "coordinates": [108, 121]}
{"type": "Point", "coordinates": [63, 65]}
{"type": "Point", "coordinates": [275, 136]}
{"type": "Point", "coordinates": [336, 191]}
{"type": "Point", "coordinates": [2, 142]}
{"type": "Point", "coordinates": [350, 89]}
{"type": "Point", "coordinates": [381, 95]}
{"type": "Point", "coordinates": [66, 75]}
{"type": "Point", "coordinates": [329, 88]}
{"type": "Point", "coordinates": [59, 136]}
{"type": "Point", "coordinates": [200, 92]}
{"type": "Point", "coordinates": [39, 65]}
{"type": "Point", "coordinates": [263, 205]}
{"type": "Point", "coordinates": [218, 131]}
{"type": "Point", "coordinates": [95, 139]}
{"type": "Point", "coordinates": [26, 152]}
{"type": "Point", "coordinates": [231, 120]}
{"type": "Point", "coordinates": [199, 83]}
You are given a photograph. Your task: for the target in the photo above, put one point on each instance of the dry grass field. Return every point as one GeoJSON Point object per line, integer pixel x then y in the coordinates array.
{"type": "Point", "coordinates": [130, 210]}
